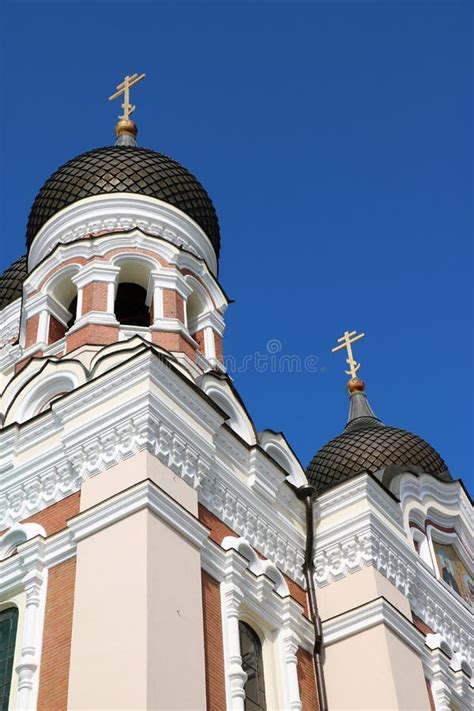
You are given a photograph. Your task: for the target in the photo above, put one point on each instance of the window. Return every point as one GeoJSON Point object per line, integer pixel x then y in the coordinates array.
{"type": "Point", "coordinates": [8, 627]}
{"type": "Point", "coordinates": [252, 664]}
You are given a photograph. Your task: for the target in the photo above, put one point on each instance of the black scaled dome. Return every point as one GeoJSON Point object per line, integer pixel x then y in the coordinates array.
{"type": "Point", "coordinates": [123, 169]}
{"type": "Point", "coordinates": [367, 445]}
{"type": "Point", "coordinates": [11, 282]}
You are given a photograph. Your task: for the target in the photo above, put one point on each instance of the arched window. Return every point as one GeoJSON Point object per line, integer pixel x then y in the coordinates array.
{"type": "Point", "coordinates": [8, 627]}
{"type": "Point", "coordinates": [252, 664]}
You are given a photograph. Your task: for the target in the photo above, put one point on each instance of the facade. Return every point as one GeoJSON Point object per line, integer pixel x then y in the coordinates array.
{"type": "Point", "coordinates": [156, 552]}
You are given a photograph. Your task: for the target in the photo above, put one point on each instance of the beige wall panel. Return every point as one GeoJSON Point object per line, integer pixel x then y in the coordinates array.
{"type": "Point", "coordinates": [409, 678]}
{"type": "Point", "coordinates": [357, 589]}
{"type": "Point", "coordinates": [131, 471]}
{"type": "Point", "coordinates": [175, 622]}
{"type": "Point", "coordinates": [108, 655]}
{"type": "Point", "coordinates": [374, 670]}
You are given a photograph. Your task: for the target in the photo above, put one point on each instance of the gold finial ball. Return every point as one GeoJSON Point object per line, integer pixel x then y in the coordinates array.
{"type": "Point", "coordinates": [126, 127]}
{"type": "Point", "coordinates": [356, 385]}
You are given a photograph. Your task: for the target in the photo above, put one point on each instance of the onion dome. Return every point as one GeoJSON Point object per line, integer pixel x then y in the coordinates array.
{"type": "Point", "coordinates": [367, 445]}
{"type": "Point", "coordinates": [11, 282]}
{"type": "Point", "coordinates": [124, 169]}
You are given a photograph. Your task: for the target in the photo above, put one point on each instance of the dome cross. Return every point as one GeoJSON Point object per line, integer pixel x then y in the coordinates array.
{"type": "Point", "coordinates": [346, 342]}
{"type": "Point", "coordinates": [124, 88]}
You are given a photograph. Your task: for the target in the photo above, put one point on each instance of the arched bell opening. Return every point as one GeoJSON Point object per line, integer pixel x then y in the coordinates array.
{"type": "Point", "coordinates": [194, 308]}
{"type": "Point", "coordinates": [133, 294]}
{"type": "Point", "coordinates": [130, 305]}
{"type": "Point", "coordinates": [64, 292]}
{"type": "Point", "coordinates": [72, 308]}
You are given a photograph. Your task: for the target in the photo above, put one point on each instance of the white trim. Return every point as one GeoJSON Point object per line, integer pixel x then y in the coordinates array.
{"type": "Point", "coordinates": [32, 577]}
{"type": "Point", "coordinates": [252, 589]}
{"type": "Point", "coordinates": [451, 680]}
{"type": "Point", "coordinates": [122, 211]}
{"type": "Point", "coordinates": [370, 614]}
{"type": "Point", "coordinates": [163, 413]}
{"type": "Point", "coordinates": [10, 322]}
{"type": "Point", "coordinates": [95, 271]}
{"type": "Point", "coordinates": [101, 318]}
{"type": "Point", "coordinates": [373, 533]}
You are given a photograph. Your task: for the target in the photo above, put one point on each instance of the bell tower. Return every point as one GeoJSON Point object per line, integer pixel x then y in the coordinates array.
{"type": "Point", "coordinates": [121, 241]}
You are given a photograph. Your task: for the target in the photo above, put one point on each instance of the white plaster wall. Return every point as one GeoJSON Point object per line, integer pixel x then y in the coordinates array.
{"type": "Point", "coordinates": [131, 471]}
{"type": "Point", "coordinates": [357, 589]}
{"type": "Point", "coordinates": [409, 679]}
{"type": "Point", "coordinates": [374, 670]}
{"type": "Point", "coordinates": [176, 671]}
{"type": "Point", "coordinates": [108, 653]}
{"type": "Point", "coordinates": [137, 621]}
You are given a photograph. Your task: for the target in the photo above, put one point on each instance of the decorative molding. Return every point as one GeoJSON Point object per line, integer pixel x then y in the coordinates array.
{"type": "Point", "coordinates": [10, 323]}
{"type": "Point", "coordinates": [252, 519]}
{"type": "Point", "coordinates": [183, 436]}
{"type": "Point", "coordinates": [451, 680]}
{"type": "Point", "coordinates": [16, 535]}
{"type": "Point", "coordinates": [145, 495]}
{"type": "Point", "coordinates": [32, 577]}
{"type": "Point", "coordinates": [118, 212]}
{"type": "Point", "coordinates": [253, 589]}
{"type": "Point", "coordinates": [96, 270]}
{"type": "Point", "coordinates": [370, 614]}
{"type": "Point", "coordinates": [368, 538]}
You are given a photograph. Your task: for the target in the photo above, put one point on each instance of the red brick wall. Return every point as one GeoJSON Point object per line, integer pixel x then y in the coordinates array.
{"type": "Point", "coordinates": [92, 335]}
{"type": "Point", "coordinates": [55, 517]}
{"type": "Point", "coordinates": [307, 681]}
{"type": "Point", "coordinates": [94, 297]}
{"type": "Point", "coordinates": [32, 330]}
{"type": "Point", "coordinates": [56, 330]}
{"type": "Point", "coordinates": [199, 338]}
{"type": "Point", "coordinates": [173, 304]}
{"type": "Point", "coordinates": [218, 346]}
{"type": "Point", "coordinates": [213, 644]}
{"type": "Point", "coordinates": [173, 342]}
{"type": "Point", "coordinates": [54, 672]}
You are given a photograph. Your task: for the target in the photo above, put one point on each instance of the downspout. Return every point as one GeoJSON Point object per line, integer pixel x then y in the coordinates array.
{"type": "Point", "coordinates": [307, 494]}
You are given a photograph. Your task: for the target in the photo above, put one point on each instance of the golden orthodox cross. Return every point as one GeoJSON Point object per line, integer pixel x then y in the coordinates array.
{"type": "Point", "coordinates": [346, 342]}
{"type": "Point", "coordinates": [124, 88]}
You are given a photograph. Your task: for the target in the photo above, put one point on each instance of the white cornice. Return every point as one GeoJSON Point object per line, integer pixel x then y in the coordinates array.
{"type": "Point", "coordinates": [95, 271]}
{"type": "Point", "coordinates": [62, 546]}
{"type": "Point", "coordinates": [122, 211]}
{"type": "Point", "coordinates": [370, 614]}
{"type": "Point", "coordinates": [168, 417]}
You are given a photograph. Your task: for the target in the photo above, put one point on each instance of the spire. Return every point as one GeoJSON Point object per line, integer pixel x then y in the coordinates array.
{"type": "Point", "coordinates": [361, 414]}
{"type": "Point", "coordinates": [126, 129]}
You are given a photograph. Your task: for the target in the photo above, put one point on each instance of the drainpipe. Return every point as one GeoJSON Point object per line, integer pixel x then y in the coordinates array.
{"type": "Point", "coordinates": [307, 494]}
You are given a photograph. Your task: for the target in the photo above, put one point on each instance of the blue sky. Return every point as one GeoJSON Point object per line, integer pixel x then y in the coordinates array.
{"type": "Point", "coordinates": [335, 139]}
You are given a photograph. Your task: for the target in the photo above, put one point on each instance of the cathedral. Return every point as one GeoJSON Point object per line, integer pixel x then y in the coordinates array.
{"type": "Point", "coordinates": [156, 551]}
